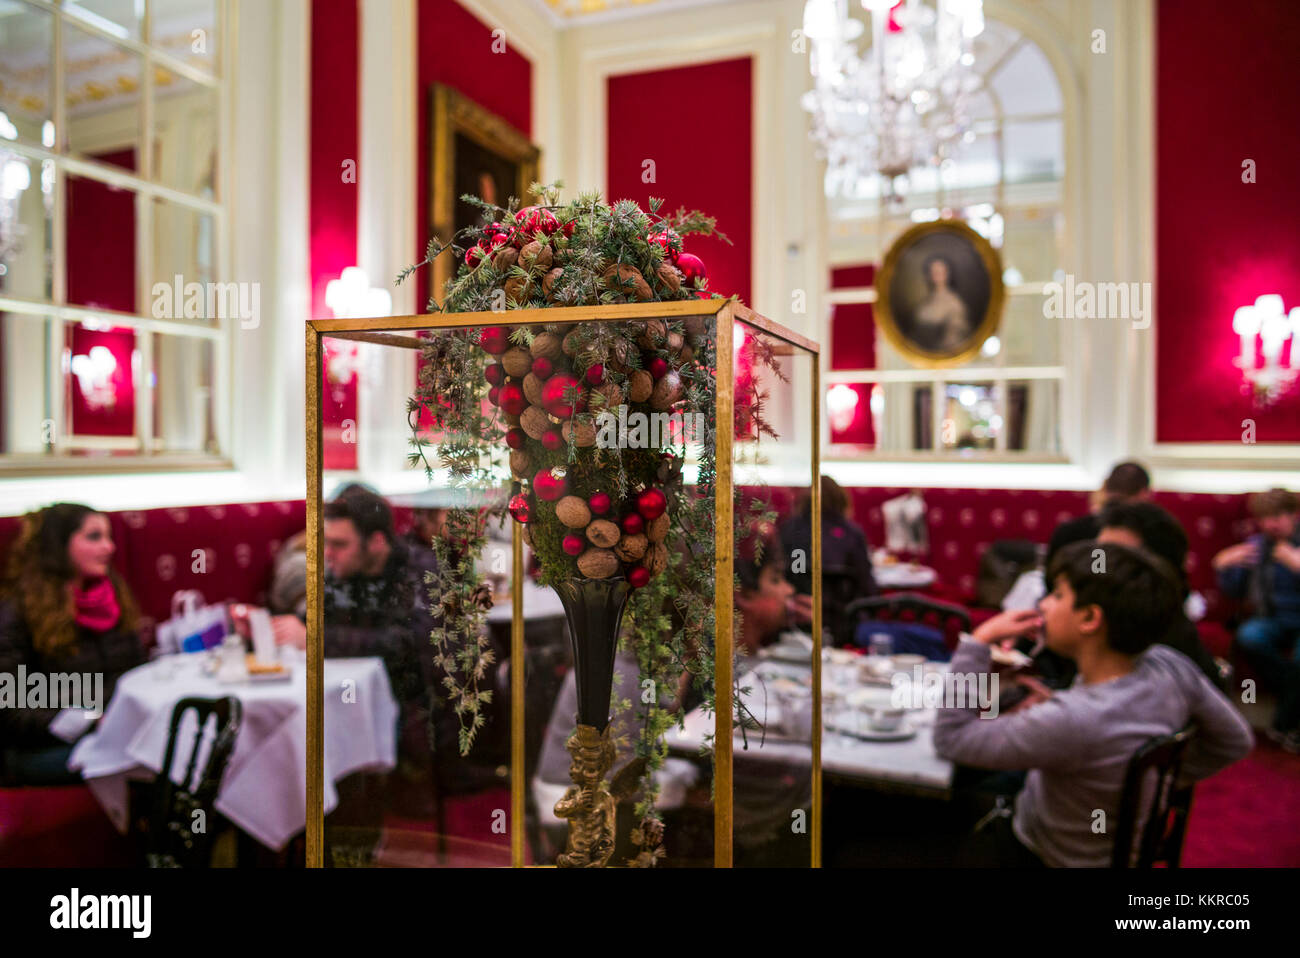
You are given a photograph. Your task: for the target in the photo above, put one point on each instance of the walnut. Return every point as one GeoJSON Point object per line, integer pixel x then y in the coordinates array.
{"type": "Point", "coordinates": [533, 389]}
{"type": "Point", "coordinates": [585, 430]}
{"type": "Point", "coordinates": [613, 395]}
{"type": "Point", "coordinates": [505, 258]}
{"type": "Point", "coordinates": [657, 529]}
{"type": "Point", "coordinates": [640, 385]}
{"type": "Point", "coordinates": [535, 255]}
{"type": "Point", "coordinates": [626, 281]}
{"type": "Point", "coordinates": [667, 391]}
{"type": "Point", "coordinates": [696, 325]}
{"type": "Point", "coordinates": [549, 281]}
{"type": "Point", "coordinates": [631, 548]}
{"type": "Point", "coordinates": [548, 345]}
{"type": "Point", "coordinates": [656, 558]}
{"type": "Point", "coordinates": [675, 342]}
{"type": "Point", "coordinates": [535, 422]}
{"type": "Point", "coordinates": [669, 276]}
{"type": "Point", "coordinates": [511, 419]}
{"type": "Point", "coordinates": [618, 355]}
{"type": "Point", "coordinates": [521, 464]}
{"type": "Point", "coordinates": [571, 344]}
{"type": "Point", "coordinates": [598, 563]}
{"type": "Point", "coordinates": [655, 331]}
{"type": "Point", "coordinates": [573, 512]}
{"type": "Point", "coordinates": [517, 361]}
{"type": "Point", "coordinates": [518, 290]}
{"type": "Point", "coordinates": [687, 354]}
{"type": "Point", "coordinates": [603, 533]}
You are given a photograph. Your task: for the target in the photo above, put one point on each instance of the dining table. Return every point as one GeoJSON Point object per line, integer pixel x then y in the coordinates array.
{"type": "Point", "coordinates": [850, 751]}
{"type": "Point", "coordinates": [263, 791]}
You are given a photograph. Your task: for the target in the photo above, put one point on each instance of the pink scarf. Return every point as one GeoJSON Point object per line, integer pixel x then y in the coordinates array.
{"type": "Point", "coordinates": [97, 606]}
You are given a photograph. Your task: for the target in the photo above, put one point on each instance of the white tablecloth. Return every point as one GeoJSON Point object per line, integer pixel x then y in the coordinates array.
{"type": "Point", "coordinates": [539, 603]}
{"type": "Point", "coordinates": [904, 576]}
{"type": "Point", "coordinates": [264, 790]}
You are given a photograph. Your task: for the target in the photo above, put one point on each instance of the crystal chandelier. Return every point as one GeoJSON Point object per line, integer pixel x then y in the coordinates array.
{"type": "Point", "coordinates": [901, 105]}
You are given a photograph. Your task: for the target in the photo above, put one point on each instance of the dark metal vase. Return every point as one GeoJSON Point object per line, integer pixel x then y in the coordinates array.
{"type": "Point", "coordinates": [594, 608]}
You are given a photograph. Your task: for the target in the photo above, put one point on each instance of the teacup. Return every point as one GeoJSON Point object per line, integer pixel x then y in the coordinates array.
{"type": "Point", "coordinates": [884, 719]}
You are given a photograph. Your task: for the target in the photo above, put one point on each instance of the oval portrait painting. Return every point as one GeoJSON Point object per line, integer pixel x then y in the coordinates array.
{"type": "Point", "coordinates": [939, 293]}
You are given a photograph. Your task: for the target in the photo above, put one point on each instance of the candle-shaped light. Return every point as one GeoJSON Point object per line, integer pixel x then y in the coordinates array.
{"type": "Point", "coordinates": [1245, 323]}
{"type": "Point", "coordinates": [1272, 327]}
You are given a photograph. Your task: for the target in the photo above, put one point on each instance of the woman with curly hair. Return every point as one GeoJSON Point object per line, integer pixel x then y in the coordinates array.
{"type": "Point", "coordinates": [62, 609]}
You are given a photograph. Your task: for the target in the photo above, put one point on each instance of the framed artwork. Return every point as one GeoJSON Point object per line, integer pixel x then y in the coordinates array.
{"type": "Point", "coordinates": [473, 151]}
{"type": "Point", "coordinates": [939, 293]}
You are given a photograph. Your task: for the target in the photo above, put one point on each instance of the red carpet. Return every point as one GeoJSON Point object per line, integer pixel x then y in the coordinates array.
{"type": "Point", "coordinates": [1247, 816]}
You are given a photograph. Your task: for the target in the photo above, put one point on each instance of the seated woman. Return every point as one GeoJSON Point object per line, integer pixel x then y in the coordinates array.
{"type": "Point", "coordinates": [63, 609]}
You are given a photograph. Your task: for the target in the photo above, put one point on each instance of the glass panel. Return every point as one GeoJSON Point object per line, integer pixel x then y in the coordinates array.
{"type": "Point", "coordinates": [1026, 83]}
{"type": "Point", "coordinates": [101, 245]}
{"type": "Point", "coordinates": [26, 81]}
{"type": "Point", "coordinates": [976, 165]}
{"type": "Point", "coordinates": [853, 411]}
{"type": "Point", "coordinates": [103, 99]}
{"type": "Point", "coordinates": [183, 372]}
{"type": "Point", "coordinates": [1034, 151]}
{"type": "Point", "coordinates": [1031, 247]}
{"type": "Point", "coordinates": [101, 382]}
{"type": "Point", "coordinates": [1028, 337]}
{"type": "Point", "coordinates": [972, 416]}
{"type": "Point", "coordinates": [186, 30]}
{"type": "Point", "coordinates": [183, 243]}
{"type": "Point", "coordinates": [185, 133]}
{"type": "Point", "coordinates": [26, 226]}
{"type": "Point", "coordinates": [772, 745]}
{"type": "Point", "coordinates": [1033, 416]}
{"type": "Point", "coordinates": [122, 18]}
{"type": "Point", "coordinates": [26, 425]}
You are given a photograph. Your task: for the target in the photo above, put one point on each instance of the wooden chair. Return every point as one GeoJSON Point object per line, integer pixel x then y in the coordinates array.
{"type": "Point", "coordinates": [173, 841]}
{"type": "Point", "coordinates": [1167, 805]}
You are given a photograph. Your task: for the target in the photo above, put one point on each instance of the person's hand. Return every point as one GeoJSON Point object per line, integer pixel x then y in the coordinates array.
{"type": "Point", "coordinates": [289, 630]}
{"type": "Point", "coordinates": [1008, 625]}
{"type": "Point", "coordinates": [800, 609]}
{"type": "Point", "coordinates": [1288, 555]}
{"type": "Point", "coordinates": [1244, 553]}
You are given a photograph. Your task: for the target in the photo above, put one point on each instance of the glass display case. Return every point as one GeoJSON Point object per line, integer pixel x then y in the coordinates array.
{"type": "Point", "coordinates": [554, 599]}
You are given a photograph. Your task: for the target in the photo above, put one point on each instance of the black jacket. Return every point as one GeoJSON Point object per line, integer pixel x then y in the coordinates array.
{"type": "Point", "coordinates": [112, 653]}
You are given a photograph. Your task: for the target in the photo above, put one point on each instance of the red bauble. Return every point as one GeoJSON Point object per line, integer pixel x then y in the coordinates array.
{"type": "Point", "coordinates": [494, 229]}
{"type": "Point", "coordinates": [516, 437]}
{"type": "Point", "coordinates": [497, 241]}
{"type": "Point", "coordinates": [581, 404]}
{"type": "Point", "coordinates": [542, 368]}
{"type": "Point", "coordinates": [638, 576]}
{"type": "Point", "coordinates": [474, 254]}
{"type": "Point", "coordinates": [513, 399]}
{"type": "Point", "coordinates": [552, 439]}
{"type": "Point", "coordinates": [573, 544]}
{"type": "Point", "coordinates": [546, 222]}
{"type": "Point", "coordinates": [658, 367]}
{"type": "Point", "coordinates": [569, 228]}
{"type": "Point", "coordinates": [633, 524]}
{"type": "Point", "coordinates": [495, 340]}
{"type": "Point", "coordinates": [519, 508]}
{"type": "Point", "coordinates": [553, 400]}
{"type": "Point", "coordinates": [651, 504]}
{"type": "Point", "coordinates": [494, 395]}
{"type": "Point", "coordinates": [669, 241]}
{"type": "Point", "coordinates": [548, 486]}
{"type": "Point", "coordinates": [599, 503]}
{"type": "Point", "coordinates": [692, 268]}
{"type": "Point", "coordinates": [595, 374]}
{"type": "Point", "coordinates": [496, 374]}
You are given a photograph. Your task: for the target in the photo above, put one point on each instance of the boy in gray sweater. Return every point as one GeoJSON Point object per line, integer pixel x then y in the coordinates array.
{"type": "Point", "coordinates": [1107, 605]}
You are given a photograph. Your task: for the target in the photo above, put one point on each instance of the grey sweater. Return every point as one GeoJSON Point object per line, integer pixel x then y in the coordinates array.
{"type": "Point", "coordinates": [1078, 745]}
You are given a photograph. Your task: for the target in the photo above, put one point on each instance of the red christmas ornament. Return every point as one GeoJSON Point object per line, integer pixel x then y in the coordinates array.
{"type": "Point", "coordinates": [494, 229]}
{"type": "Point", "coordinates": [553, 400]}
{"type": "Point", "coordinates": [548, 486]}
{"type": "Point", "coordinates": [552, 439]}
{"type": "Point", "coordinates": [495, 340]}
{"type": "Point", "coordinates": [692, 268]}
{"type": "Point", "coordinates": [494, 395]}
{"type": "Point", "coordinates": [651, 504]}
{"type": "Point", "coordinates": [658, 367]}
{"type": "Point", "coordinates": [638, 576]}
{"type": "Point", "coordinates": [495, 374]}
{"type": "Point", "coordinates": [633, 524]}
{"type": "Point", "coordinates": [581, 404]}
{"type": "Point", "coordinates": [512, 399]}
{"type": "Point", "coordinates": [669, 241]}
{"type": "Point", "coordinates": [573, 545]}
{"type": "Point", "coordinates": [546, 222]}
{"type": "Point", "coordinates": [516, 437]}
{"type": "Point", "coordinates": [569, 228]}
{"type": "Point", "coordinates": [519, 508]}
{"type": "Point", "coordinates": [542, 368]}
{"type": "Point", "coordinates": [473, 255]}
{"type": "Point", "coordinates": [599, 503]}
{"type": "Point", "coordinates": [595, 374]}
{"type": "Point", "coordinates": [496, 242]}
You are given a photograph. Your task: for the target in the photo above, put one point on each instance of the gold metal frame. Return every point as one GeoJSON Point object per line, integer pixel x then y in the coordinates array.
{"type": "Point", "coordinates": [988, 323]}
{"type": "Point", "coordinates": [397, 331]}
{"type": "Point", "coordinates": [451, 113]}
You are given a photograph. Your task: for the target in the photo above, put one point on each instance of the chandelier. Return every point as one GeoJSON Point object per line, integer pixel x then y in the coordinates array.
{"type": "Point", "coordinates": [903, 103]}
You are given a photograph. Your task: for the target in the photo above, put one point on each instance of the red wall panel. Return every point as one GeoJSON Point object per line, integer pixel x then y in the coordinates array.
{"type": "Point", "coordinates": [1226, 92]}
{"type": "Point", "coordinates": [708, 166]}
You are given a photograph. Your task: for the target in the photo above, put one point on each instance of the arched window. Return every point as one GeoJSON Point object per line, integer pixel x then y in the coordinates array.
{"type": "Point", "coordinates": [1007, 183]}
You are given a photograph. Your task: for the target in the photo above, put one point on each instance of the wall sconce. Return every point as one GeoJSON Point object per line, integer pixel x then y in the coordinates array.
{"type": "Point", "coordinates": [841, 404]}
{"type": "Point", "coordinates": [1267, 322]}
{"type": "Point", "coordinates": [351, 295]}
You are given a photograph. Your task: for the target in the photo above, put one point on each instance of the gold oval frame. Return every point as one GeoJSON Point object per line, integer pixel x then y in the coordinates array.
{"type": "Point", "coordinates": [988, 324]}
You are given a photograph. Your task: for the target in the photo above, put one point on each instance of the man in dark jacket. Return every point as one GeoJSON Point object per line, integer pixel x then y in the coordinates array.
{"type": "Point", "coordinates": [1265, 571]}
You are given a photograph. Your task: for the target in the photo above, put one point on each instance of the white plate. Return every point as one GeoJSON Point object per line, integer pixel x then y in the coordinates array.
{"type": "Point", "coordinates": [844, 724]}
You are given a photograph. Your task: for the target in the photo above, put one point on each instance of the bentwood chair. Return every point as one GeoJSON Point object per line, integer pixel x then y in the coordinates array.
{"type": "Point", "coordinates": [1166, 805]}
